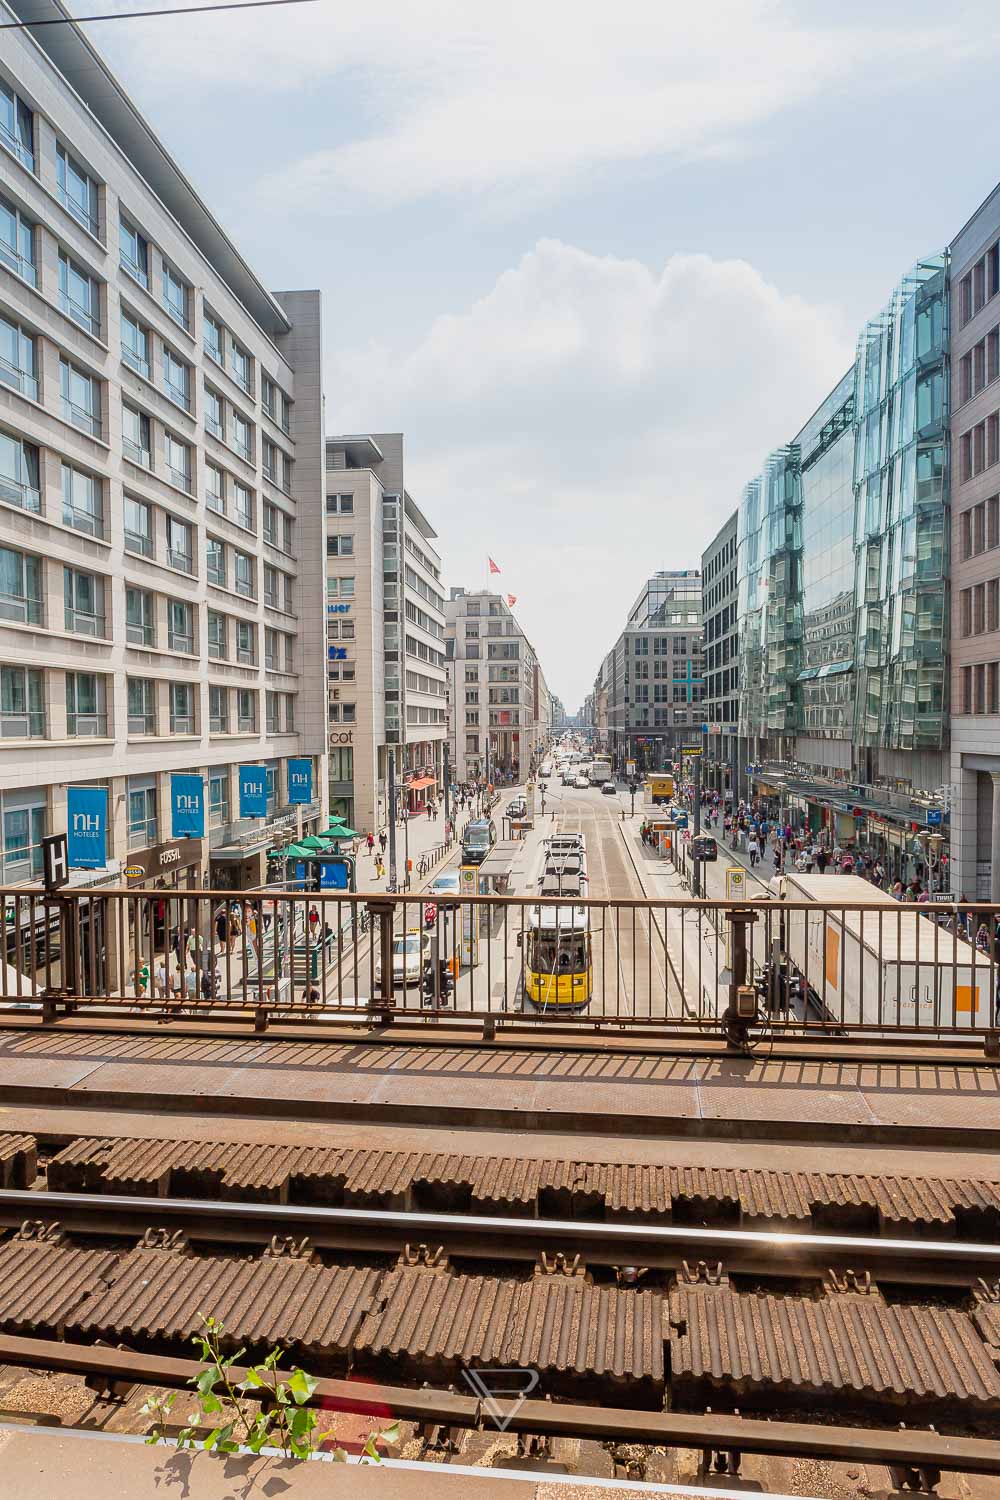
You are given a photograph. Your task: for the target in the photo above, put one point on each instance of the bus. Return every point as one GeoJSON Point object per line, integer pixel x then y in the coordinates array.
{"type": "Point", "coordinates": [558, 958]}
{"type": "Point", "coordinates": [660, 785]}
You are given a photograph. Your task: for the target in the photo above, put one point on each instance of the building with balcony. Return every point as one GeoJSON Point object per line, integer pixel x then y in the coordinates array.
{"type": "Point", "coordinates": [385, 623]}
{"type": "Point", "coordinates": [501, 708]}
{"type": "Point", "coordinates": [160, 472]}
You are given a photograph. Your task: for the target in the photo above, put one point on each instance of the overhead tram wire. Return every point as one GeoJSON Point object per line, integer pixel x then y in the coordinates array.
{"type": "Point", "coordinates": [136, 15]}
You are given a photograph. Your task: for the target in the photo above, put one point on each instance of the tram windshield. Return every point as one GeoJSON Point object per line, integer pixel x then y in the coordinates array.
{"type": "Point", "coordinates": [562, 954]}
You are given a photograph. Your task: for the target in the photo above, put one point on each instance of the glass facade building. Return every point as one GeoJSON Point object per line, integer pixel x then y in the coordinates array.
{"type": "Point", "coordinates": [902, 516]}
{"type": "Point", "coordinates": [843, 553]}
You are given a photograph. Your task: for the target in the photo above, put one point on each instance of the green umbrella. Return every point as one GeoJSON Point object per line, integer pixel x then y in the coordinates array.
{"type": "Point", "coordinates": [344, 833]}
{"type": "Point", "coordinates": [296, 851]}
{"type": "Point", "coordinates": [312, 842]}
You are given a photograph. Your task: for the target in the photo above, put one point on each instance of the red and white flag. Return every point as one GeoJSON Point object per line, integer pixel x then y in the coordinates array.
{"type": "Point", "coordinates": [493, 566]}
{"type": "Point", "coordinates": [512, 600]}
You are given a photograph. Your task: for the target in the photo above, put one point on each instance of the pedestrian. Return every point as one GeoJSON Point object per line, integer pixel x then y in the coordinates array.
{"type": "Point", "coordinates": [313, 923]}
{"type": "Point", "coordinates": [370, 841]}
{"type": "Point", "coordinates": [430, 812]}
{"type": "Point", "coordinates": [382, 840]}
{"type": "Point", "coordinates": [819, 859]}
{"type": "Point", "coordinates": [753, 849]}
{"type": "Point", "coordinates": [235, 925]}
{"type": "Point", "coordinates": [379, 867]}
{"type": "Point", "coordinates": [222, 926]}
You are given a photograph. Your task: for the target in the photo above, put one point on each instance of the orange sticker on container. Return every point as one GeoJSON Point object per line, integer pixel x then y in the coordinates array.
{"type": "Point", "coordinates": [967, 997]}
{"type": "Point", "coordinates": [832, 957]}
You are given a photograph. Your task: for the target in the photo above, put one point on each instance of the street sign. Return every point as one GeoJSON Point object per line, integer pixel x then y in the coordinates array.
{"type": "Point", "coordinates": [468, 885]}
{"type": "Point", "coordinates": [933, 816]}
{"type": "Point", "coordinates": [736, 883]}
{"type": "Point", "coordinates": [55, 861]}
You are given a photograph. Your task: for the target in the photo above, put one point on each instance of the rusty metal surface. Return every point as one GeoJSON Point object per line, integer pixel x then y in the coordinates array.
{"type": "Point", "coordinates": [332, 1175]}
{"type": "Point", "coordinates": [758, 1344]}
{"type": "Point", "coordinates": [42, 1284]}
{"type": "Point", "coordinates": [160, 1295]}
{"type": "Point", "coordinates": [556, 1325]}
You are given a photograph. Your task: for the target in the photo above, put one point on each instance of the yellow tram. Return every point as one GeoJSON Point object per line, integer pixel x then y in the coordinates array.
{"type": "Point", "coordinates": [558, 957]}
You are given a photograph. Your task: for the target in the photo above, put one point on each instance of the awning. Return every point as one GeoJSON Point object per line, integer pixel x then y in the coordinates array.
{"type": "Point", "coordinates": [418, 783]}
{"type": "Point", "coordinates": [501, 857]}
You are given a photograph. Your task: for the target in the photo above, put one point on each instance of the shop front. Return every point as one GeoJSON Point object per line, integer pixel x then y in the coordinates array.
{"type": "Point", "coordinates": [238, 854]}
{"type": "Point", "coordinates": [176, 864]}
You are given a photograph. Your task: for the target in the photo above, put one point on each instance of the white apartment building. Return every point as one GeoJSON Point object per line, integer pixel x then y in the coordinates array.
{"type": "Point", "coordinates": [500, 706]}
{"type": "Point", "coordinates": [387, 678]}
{"type": "Point", "coordinates": [161, 467]}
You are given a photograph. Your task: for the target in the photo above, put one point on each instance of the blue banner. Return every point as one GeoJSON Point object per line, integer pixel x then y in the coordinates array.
{"type": "Point", "coordinates": [335, 876]}
{"type": "Point", "coordinates": [87, 827]}
{"type": "Point", "coordinates": [300, 781]}
{"type": "Point", "coordinates": [187, 807]}
{"type": "Point", "coordinates": [253, 792]}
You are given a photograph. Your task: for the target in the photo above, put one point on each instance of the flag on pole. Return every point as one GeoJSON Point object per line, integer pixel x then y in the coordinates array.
{"type": "Point", "coordinates": [512, 600]}
{"type": "Point", "coordinates": [493, 566]}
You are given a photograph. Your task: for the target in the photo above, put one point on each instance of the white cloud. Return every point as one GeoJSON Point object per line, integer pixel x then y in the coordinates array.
{"type": "Point", "coordinates": [526, 98]}
{"type": "Point", "coordinates": [590, 420]}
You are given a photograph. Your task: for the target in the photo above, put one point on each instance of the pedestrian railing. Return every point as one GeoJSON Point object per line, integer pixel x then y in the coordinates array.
{"type": "Point", "coordinates": [759, 969]}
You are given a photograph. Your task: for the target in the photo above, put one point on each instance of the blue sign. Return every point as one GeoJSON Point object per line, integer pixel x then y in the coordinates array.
{"type": "Point", "coordinates": [253, 792]}
{"type": "Point", "coordinates": [338, 609]}
{"type": "Point", "coordinates": [187, 807]}
{"type": "Point", "coordinates": [933, 816]}
{"type": "Point", "coordinates": [335, 876]}
{"type": "Point", "coordinates": [337, 653]}
{"type": "Point", "coordinates": [300, 781]}
{"type": "Point", "coordinates": [87, 827]}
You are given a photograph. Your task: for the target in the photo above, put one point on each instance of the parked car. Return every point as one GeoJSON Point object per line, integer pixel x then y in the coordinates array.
{"type": "Point", "coordinates": [608, 789]}
{"type": "Point", "coordinates": [581, 782]}
{"type": "Point", "coordinates": [411, 955]}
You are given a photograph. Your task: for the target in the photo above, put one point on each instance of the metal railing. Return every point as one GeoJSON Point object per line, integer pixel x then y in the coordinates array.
{"type": "Point", "coordinates": [882, 970]}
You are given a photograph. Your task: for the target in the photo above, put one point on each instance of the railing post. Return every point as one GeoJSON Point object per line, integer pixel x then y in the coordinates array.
{"type": "Point", "coordinates": [385, 910]}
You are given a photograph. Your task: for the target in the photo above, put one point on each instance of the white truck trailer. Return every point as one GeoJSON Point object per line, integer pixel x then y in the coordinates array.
{"type": "Point", "coordinates": [599, 771]}
{"type": "Point", "coordinates": [880, 968]}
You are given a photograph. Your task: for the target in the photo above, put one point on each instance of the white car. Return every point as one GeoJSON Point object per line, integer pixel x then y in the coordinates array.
{"type": "Point", "coordinates": [581, 783]}
{"type": "Point", "coordinates": [411, 955]}
{"type": "Point", "coordinates": [608, 789]}
{"type": "Point", "coordinates": [444, 886]}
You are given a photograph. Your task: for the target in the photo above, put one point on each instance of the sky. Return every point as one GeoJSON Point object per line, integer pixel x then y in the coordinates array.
{"type": "Point", "coordinates": [594, 260]}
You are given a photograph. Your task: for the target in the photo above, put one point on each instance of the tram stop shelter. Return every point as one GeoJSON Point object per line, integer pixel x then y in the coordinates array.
{"type": "Point", "coordinates": [496, 869]}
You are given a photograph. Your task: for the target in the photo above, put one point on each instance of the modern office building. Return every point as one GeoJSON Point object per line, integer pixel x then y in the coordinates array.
{"type": "Point", "coordinates": [975, 555]}
{"type": "Point", "coordinates": [720, 708]}
{"type": "Point", "coordinates": [654, 680]}
{"type": "Point", "coordinates": [501, 709]}
{"type": "Point", "coordinates": [842, 575]}
{"type": "Point", "coordinates": [161, 466]}
{"type": "Point", "coordinates": [387, 679]}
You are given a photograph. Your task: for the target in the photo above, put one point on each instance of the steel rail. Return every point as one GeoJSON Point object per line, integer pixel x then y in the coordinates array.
{"type": "Point", "coordinates": [494, 1237]}
{"type": "Point", "coordinates": [908, 1448]}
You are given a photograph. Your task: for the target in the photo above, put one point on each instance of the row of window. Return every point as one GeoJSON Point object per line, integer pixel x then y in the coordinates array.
{"type": "Point", "coordinates": [229, 568]}
{"type": "Point", "coordinates": [79, 191]}
{"type": "Point", "coordinates": [979, 448]}
{"type": "Point", "coordinates": [422, 558]}
{"type": "Point", "coordinates": [979, 608]}
{"type": "Point", "coordinates": [662, 645]}
{"type": "Point", "coordinates": [981, 688]}
{"type": "Point", "coordinates": [979, 527]}
{"type": "Point", "coordinates": [980, 284]}
{"type": "Point", "coordinates": [677, 692]}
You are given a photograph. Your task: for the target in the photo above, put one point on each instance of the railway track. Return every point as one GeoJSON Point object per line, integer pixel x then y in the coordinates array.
{"type": "Point", "coordinates": [679, 1305]}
